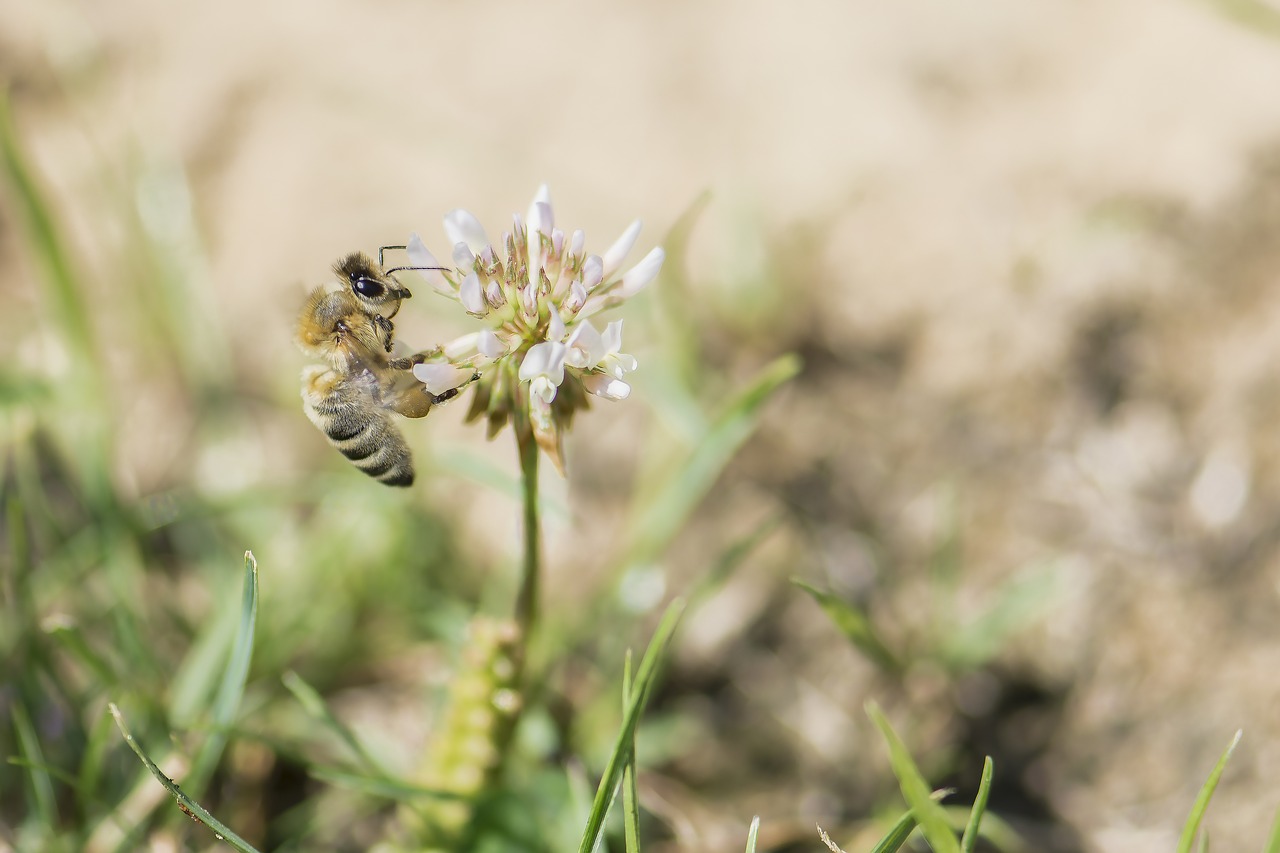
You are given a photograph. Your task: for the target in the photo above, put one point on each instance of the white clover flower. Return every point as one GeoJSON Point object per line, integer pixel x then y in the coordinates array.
{"type": "Point", "coordinates": [534, 288]}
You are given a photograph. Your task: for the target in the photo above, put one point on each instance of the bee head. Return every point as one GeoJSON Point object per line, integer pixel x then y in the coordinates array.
{"type": "Point", "coordinates": [369, 284]}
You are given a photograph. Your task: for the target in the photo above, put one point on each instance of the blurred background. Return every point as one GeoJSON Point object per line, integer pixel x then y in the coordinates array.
{"type": "Point", "coordinates": [1028, 255]}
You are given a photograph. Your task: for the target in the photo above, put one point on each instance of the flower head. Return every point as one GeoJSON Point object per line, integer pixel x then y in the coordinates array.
{"type": "Point", "coordinates": [539, 356]}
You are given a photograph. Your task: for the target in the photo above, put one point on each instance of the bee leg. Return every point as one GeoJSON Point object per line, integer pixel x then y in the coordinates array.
{"type": "Point", "coordinates": [416, 401]}
{"type": "Point", "coordinates": [408, 362]}
{"type": "Point", "coordinates": [387, 329]}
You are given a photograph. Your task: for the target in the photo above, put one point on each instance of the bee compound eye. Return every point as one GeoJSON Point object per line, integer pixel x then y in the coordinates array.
{"type": "Point", "coordinates": [368, 288]}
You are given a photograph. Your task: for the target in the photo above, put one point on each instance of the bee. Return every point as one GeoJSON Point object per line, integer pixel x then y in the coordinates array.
{"type": "Point", "coordinates": [350, 399]}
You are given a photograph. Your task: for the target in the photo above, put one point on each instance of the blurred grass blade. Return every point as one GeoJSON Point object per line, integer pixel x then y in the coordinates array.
{"type": "Point", "coordinates": [897, 835]}
{"type": "Point", "coordinates": [640, 695]}
{"type": "Point", "coordinates": [932, 818]}
{"type": "Point", "coordinates": [1203, 846]}
{"type": "Point", "coordinates": [1256, 15]}
{"type": "Point", "coordinates": [752, 834]}
{"type": "Point", "coordinates": [1201, 805]}
{"type": "Point", "coordinates": [44, 803]}
{"type": "Point", "coordinates": [53, 772]}
{"type": "Point", "coordinates": [970, 838]}
{"type": "Point", "coordinates": [731, 558]}
{"type": "Point", "coordinates": [69, 303]}
{"type": "Point", "coordinates": [855, 625]}
{"type": "Point", "coordinates": [97, 745]}
{"type": "Point", "coordinates": [234, 678]}
{"type": "Point", "coordinates": [72, 640]}
{"type": "Point", "coordinates": [189, 806]}
{"type": "Point", "coordinates": [1020, 602]}
{"type": "Point", "coordinates": [683, 338]}
{"type": "Point", "coordinates": [17, 388]}
{"type": "Point", "coordinates": [675, 498]}
{"type": "Point", "coordinates": [630, 806]}
{"type": "Point", "coordinates": [315, 706]}
{"type": "Point", "coordinates": [1273, 840]}
{"type": "Point", "coordinates": [392, 789]}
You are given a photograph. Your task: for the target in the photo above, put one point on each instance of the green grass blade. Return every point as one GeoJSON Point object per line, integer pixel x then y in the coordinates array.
{"type": "Point", "coordinates": [932, 818]}
{"type": "Point", "coordinates": [666, 510]}
{"type": "Point", "coordinates": [752, 834]}
{"type": "Point", "coordinates": [45, 804]}
{"type": "Point", "coordinates": [1201, 805]}
{"type": "Point", "coordinates": [897, 835]}
{"type": "Point", "coordinates": [970, 838]}
{"type": "Point", "coordinates": [312, 702]}
{"type": "Point", "coordinates": [230, 692]}
{"type": "Point", "coordinates": [855, 626]}
{"type": "Point", "coordinates": [630, 805]}
{"type": "Point", "coordinates": [189, 806]}
{"type": "Point", "coordinates": [640, 695]}
{"type": "Point", "coordinates": [1273, 840]}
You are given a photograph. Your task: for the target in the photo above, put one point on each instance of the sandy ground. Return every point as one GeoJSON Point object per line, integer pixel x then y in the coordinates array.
{"type": "Point", "coordinates": [1050, 228]}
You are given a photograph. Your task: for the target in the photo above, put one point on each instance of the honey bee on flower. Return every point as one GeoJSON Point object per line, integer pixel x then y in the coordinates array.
{"type": "Point", "coordinates": [540, 354]}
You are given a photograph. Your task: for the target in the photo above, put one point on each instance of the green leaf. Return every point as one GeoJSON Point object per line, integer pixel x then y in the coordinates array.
{"type": "Point", "coordinates": [932, 818]}
{"type": "Point", "coordinates": [640, 695]}
{"type": "Point", "coordinates": [752, 833]}
{"type": "Point", "coordinates": [189, 806]}
{"type": "Point", "coordinates": [970, 838]}
{"type": "Point", "coordinates": [315, 706]}
{"type": "Point", "coordinates": [897, 835]}
{"type": "Point", "coordinates": [855, 625]}
{"type": "Point", "coordinates": [1201, 804]}
{"type": "Point", "coordinates": [234, 678]}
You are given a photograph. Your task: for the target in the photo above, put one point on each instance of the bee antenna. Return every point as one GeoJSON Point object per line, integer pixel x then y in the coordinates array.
{"type": "Point", "coordinates": [382, 249]}
{"type": "Point", "coordinates": [402, 269]}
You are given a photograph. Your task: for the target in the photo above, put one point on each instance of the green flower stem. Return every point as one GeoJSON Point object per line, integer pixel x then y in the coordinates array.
{"type": "Point", "coordinates": [531, 567]}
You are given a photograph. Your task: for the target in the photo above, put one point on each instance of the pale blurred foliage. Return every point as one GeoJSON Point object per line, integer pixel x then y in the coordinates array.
{"type": "Point", "coordinates": [1026, 250]}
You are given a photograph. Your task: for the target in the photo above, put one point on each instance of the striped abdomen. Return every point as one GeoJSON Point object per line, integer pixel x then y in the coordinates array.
{"type": "Point", "coordinates": [345, 411]}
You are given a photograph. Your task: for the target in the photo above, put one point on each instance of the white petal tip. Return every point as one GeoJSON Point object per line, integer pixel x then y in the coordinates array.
{"type": "Point", "coordinates": [606, 386]}
{"type": "Point", "coordinates": [440, 378]}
